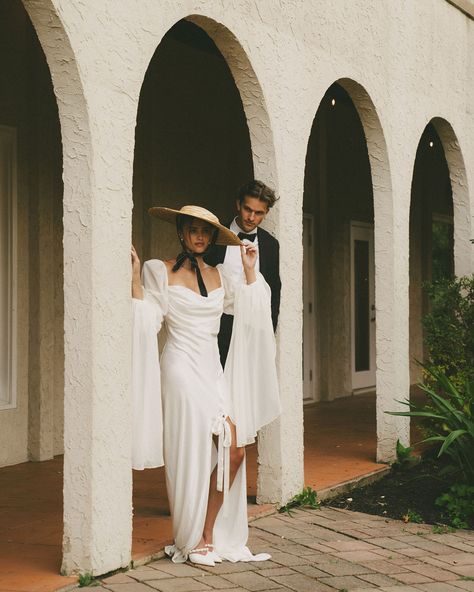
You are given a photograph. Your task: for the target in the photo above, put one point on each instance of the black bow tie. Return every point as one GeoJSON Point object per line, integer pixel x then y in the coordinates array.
{"type": "Point", "coordinates": [250, 237]}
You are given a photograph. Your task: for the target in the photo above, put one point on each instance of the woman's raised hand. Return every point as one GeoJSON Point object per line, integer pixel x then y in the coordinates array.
{"type": "Point", "coordinates": [135, 262]}
{"type": "Point", "coordinates": [249, 254]}
{"type": "Point", "coordinates": [137, 290]}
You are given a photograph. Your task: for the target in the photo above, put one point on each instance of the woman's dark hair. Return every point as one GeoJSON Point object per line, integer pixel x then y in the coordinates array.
{"type": "Point", "coordinates": [182, 219]}
{"type": "Point", "coordinates": [259, 190]}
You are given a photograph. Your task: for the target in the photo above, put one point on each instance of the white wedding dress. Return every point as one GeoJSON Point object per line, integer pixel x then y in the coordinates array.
{"type": "Point", "coordinates": [196, 396]}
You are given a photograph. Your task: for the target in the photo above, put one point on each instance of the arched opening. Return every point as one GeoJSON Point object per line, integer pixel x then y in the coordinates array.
{"type": "Point", "coordinates": [431, 235]}
{"type": "Point", "coordinates": [192, 140]}
{"type": "Point", "coordinates": [339, 340]}
{"type": "Point", "coordinates": [193, 145]}
{"type": "Point", "coordinates": [31, 309]}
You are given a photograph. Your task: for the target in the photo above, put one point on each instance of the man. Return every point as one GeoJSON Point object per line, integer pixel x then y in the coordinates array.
{"type": "Point", "coordinates": [253, 202]}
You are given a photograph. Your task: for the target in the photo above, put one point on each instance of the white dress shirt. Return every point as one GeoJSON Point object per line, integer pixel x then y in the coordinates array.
{"type": "Point", "coordinates": [233, 260]}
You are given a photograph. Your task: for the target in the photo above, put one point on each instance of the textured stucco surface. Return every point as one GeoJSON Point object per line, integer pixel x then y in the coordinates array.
{"type": "Point", "coordinates": [402, 63]}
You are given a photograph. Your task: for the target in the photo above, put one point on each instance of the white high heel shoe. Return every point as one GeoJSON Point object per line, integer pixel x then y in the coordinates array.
{"type": "Point", "coordinates": [196, 556]}
{"type": "Point", "coordinates": [216, 558]}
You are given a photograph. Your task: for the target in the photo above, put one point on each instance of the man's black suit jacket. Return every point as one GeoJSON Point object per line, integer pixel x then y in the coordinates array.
{"type": "Point", "coordinates": [269, 263]}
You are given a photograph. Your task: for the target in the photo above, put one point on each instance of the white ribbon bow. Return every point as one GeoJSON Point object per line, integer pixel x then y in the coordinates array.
{"type": "Point", "coordinates": [221, 428]}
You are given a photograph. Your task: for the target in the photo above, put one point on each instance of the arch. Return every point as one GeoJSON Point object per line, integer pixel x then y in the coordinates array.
{"type": "Point", "coordinates": [250, 90]}
{"type": "Point", "coordinates": [65, 75]}
{"type": "Point", "coordinates": [338, 214]}
{"type": "Point", "coordinates": [463, 223]}
{"type": "Point", "coordinates": [251, 94]}
{"type": "Point", "coordinates": [440, 224]}
{"type": "Point", "coordinates": [255, 117]}
{"type": "Point", "coordinates": [389, 293]}
{"type": "Point", "coordinates": [375, 139]}
{"type": "Point", "coordinates": [376, 144]}
{"type": "Point", "coordinates": [463, 264]}
{"type": "Point", "coordinates": [191, 136]}
{"type": "Point", "coordinates": [392, 372]}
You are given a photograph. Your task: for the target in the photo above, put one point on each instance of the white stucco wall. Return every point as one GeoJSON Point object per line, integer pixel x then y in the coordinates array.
{"type": "Point", "coordinates": [403, 63]}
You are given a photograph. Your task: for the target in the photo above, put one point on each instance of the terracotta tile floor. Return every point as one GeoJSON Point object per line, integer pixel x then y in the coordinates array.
{"type": "Point", "coordinates": [339, 440]}
{"type": "Point", "coordinates": [31, 494]}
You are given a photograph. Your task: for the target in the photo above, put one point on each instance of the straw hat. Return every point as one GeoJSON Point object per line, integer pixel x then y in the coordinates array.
{"type": "Point", "coordinates": [225, 235]}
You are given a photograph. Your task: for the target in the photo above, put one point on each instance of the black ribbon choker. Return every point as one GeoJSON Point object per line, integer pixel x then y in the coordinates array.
{"type": "Point", "coordinates": [181, 258]}
{"type": "Point", "coordinates": [250, 237]}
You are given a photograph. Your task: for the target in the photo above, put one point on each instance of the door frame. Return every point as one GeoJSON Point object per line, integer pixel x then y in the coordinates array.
{"type": "Point", "coordinates": [363, 380]}
{"type": "Point", "coordinates": [8, 140]}
{"type": "Point", "coordinates": [310, 379]}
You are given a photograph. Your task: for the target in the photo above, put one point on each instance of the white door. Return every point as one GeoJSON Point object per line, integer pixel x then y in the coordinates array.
{"type": "Point", "coordinates": [309, 329]}
{"type": "Point", "coordinates": [362, 306]}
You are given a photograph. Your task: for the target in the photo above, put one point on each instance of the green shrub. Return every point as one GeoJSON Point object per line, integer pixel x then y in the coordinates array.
{"type": "Point", "coordinates": [458, 504]}
{"type": "Point", "coordinates": [412, 516]}
{"type": "Point", "coordinates": [405, 457]}
{"type": "Point", "coordinates": [443, 529]}
{"type": "Point", "coordinates": [449, 328]}
{"type": "Point", "coordinates": [307, 498]}
{"type": "Point", "coordinates": [449, 412]}
{"type": "Point", "coordinates": [87, 579]}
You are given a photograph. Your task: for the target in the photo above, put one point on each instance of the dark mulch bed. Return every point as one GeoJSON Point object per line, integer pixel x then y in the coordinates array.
{"type": "Point", "coordinates": [402, 493]}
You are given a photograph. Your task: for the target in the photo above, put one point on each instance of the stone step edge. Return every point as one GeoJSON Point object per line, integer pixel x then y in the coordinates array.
{"type": "Point", "coordinates": [346, 486]}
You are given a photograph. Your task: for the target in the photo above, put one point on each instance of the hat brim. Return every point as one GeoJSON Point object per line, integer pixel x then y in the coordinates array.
{"type": "Point", "coordinates": [225, 236]}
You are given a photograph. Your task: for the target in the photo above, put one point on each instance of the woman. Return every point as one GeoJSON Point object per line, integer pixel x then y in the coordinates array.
{"type": "Point", "coordinates": [208, 414]}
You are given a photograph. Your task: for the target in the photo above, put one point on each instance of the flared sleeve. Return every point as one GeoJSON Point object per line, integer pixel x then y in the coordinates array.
{"type": "Point", "coordinates": [250, 370]}
{"type": "Point", "coordinates": [148, 314]}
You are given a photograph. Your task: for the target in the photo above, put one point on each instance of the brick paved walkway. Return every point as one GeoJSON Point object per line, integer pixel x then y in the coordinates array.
{"type": "Point", "coordinates": [324, 550]}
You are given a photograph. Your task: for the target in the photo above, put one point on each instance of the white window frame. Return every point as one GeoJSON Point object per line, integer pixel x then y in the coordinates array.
{"type": "Point", "coordinates": [8, 146]}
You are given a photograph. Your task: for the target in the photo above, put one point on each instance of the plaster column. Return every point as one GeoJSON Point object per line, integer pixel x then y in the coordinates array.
{"type": "Point", "coordinates": [391, 194]}
{"type": "Point", "coordinates": [392, 277]}
{"type": "Point", "coordinates": [392, 308]}
{"type": "Point", "coordinates": [97, 438]}
{"type": "Point", "coordinates": [280, 444]}
{"type": "Point", "coordinates": [97, 137]}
